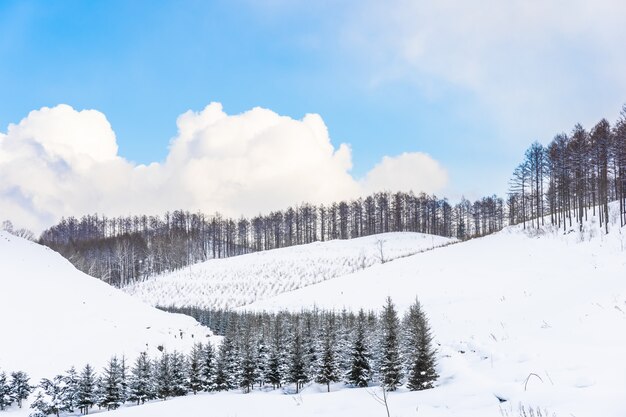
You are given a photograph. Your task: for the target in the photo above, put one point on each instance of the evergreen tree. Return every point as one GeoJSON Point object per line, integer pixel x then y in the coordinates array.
{"type": "Point", "coordinates": [87, 390]}
{"type": "Point", "coordinates": [178, 374]}
{"type": "Point", "coordinates": [40, 407]}
{"type": "Point", "coordinates": [51, 399]}
{"type": "Point", "coordinates": [390, 366]}
{"type": "Point", "coordinates": [70, 394]}
{"type": "Point", "coordinates": [123, 380]}
{"type": "Point", "coordinates": [163, 378]}
{"type": "Point", "coordinates": [360, 371]}
{"type": "Point", "coordinates": [327, 371]}
{"type": "Point", "coordinates": [262, 362]}
{"type": "Point", "coordinates": [420, 354]}
{"type": "Point", "coordinates": [209, 368]}
{"type": "Point", "coordinates": [141, 387]}
{"type": "Point", "coordinates": [194, 366]}
{"type": "Point", "coordinates": [248, 373]}
{"type": "Point", "coordinates": [5, 392]}
{"type": "Point", "coordinates": [297, 368]}
{"type": "Point", "coordinates": [20, 388]}
{"type": "Point", "coordinates": [111, 385]}
{"type": "Point", "coordinates": [227, 365]}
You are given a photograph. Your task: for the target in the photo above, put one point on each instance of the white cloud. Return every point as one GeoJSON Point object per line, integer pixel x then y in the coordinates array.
{"type": "Point", "coordinates": [59, 162]}
{"type": "Point", "coordinates": [534, 68]}
{"type": "Point", "coordinates": [406, 172]}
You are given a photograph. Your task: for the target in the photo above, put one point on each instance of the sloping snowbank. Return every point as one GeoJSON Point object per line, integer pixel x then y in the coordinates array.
{"type": "Point", "coordinates": [54, 316]}
{"type": "Point", "coordinates": [244, 279]}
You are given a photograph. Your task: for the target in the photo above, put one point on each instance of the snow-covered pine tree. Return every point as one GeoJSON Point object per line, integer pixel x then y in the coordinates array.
{"type": "Point", "coordinates": [40, 407]}
{"type": "Point", "coordinates": [360, 370]}
{"type": "Point", "coordinates": [297, 368]}
{"type": "Point", "coordinates": [124, 380]}
{"type": "Point", "coordinates": [111, 385]}
{"type": "Point", "coordinates": [248, 357]}
{"type": "Point", "coordinates": [52, 398]}
{"type": "Point", "coordinates": [390, 366]}
{"type": "Point", "coordinates": [70, 394]}
{"type": "Point", "coordinates": [310, 341]}
{"type": "Point", "coordinates": [327, 370]}
{"type": "Point", "coordinates": [421, 373]}
{"type": "Point", "coordinates": [20, 387]}
{"type": "Point", "coordinates": [274, 368]}
{"type": "Point", "coordinates": [87, 390]}
{"type": "Point", "coordinates": [178, 367]}
{"type": "Point", "coordinates": [227, 365]}
{"type": "Point", "coordinates": [262, 362]}
{"type": "Point", "coordinates": [141, 386]}
{"type": "Point", "coordinates": [209, 368]}
{"type": "Point", "coordinates": [194, 367]}
{"type": "Point", "coordinates": [163, 377]}
{"type": "Point", "coordinates": [6, 398]}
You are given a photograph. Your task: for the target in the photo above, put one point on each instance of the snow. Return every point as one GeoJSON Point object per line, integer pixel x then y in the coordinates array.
{"type": "Point", "coordinates": [54, 316]}
{"type": "Point", "coordinates": [241, 280]}
{"type": "Point", "coordinates": [535, 318]}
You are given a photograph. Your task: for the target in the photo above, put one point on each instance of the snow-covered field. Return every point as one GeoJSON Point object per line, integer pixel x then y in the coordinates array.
{"type": "Point", "coordinates": [257, 276]}
{"type": "Point", "coordinates": [54, 316]}
{"type": "Point", "coordinates": [536, 319]}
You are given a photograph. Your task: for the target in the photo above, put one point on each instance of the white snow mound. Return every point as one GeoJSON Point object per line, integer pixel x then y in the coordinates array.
{"type": "Point", "coordinates": [54, 316]}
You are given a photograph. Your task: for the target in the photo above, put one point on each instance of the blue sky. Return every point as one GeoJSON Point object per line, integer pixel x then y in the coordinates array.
{"type": "Point", "coordinates": [383, 82]}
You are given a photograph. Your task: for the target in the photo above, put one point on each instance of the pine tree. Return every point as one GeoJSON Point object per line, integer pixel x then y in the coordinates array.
{"type": "Point", "coordinates": [111, 385]}
{"type": "Point", "coordinates": [327, 371]}
{"type": "Point", "coordinates": [5, 392]}
{"type": "Point", "coordinates": [51, 399]}
{"type": "Point", "coordinates": [70, 394]}
{"type": "Point", "coordinates": [40, 407]}
{"type": "Point", "coordinates": [390, 366]}
{"type": "Point", "coordinates": [227, 365]}
{"type": "Point", "coordinates": [179, 374]}
{"type": "Point", "coordinates": [20, 388]}
{"type": "Point", "coordinates": [297, 368]}
{"type": "Point", "coordinates": [248, 373]}
{"type": "Point", "coordinates": [209, 368]}
{"type": "Point", "coordinates": [262, 362]}
{"type": "Point", "coordinates": [360, 371]}
{"type": "Point", "coordinates": [123, 380]}
{"type": "Point", "coordinates": [163, 374]}
{"type": "Point", "coordinates": [87, 390]}
{"type": "Point", "coordinates": [141, 387]}
{"type": "Point", "coordinates": [421, 356]}
{"type": "Point", "coordinates": [195, 382]}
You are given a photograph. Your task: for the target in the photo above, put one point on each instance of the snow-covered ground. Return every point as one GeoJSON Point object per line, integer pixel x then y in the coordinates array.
{"type": "Point", "coordinates": [53, 316]}
{"type": "Point", "coordinates": [257, 276]}
{"type": "Point", "coordinates": [537, 319]}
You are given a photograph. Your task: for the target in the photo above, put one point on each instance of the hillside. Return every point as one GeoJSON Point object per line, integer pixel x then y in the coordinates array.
{"type": "Point", "coordinates": [522, 318]}
{"type": "Point", "coordinates": [54, 316]}
{"type": "Point", "coordinates": [504, 307]}
{"type": "Point", "coordinates": [241, 280]}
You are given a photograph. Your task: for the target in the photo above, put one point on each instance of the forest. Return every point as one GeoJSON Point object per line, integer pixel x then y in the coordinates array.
{"type": "Point", "coordinates": [262, 351]}
{"type": "Point", "coordinates": [127, 249]}
{"type": "Point", "coordinates": [571, 176]}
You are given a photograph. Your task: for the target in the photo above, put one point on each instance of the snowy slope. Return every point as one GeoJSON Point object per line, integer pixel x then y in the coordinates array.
{"type": "Point", "coordinates": [54, 316]}
{"type": "Point", "coordinates": [244, 279]}
{"type": "Point", "coordinates": [504, 307]}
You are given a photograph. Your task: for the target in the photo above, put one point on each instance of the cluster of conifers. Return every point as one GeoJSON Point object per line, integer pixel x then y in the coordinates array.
{"type": "Point", "coordinates": [262, 351]}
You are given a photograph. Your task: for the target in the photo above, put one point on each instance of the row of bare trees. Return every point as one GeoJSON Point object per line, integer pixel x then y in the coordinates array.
{"type": "Point", "coordinates": [121, 250]}
{"type": "Point", "coordinates": [574, 175]}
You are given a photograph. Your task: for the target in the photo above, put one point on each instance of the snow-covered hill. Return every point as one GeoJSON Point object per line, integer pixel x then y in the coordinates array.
{"type": "Point", "coordinates": [536, 319]}
{"type": "Point", "coordinates": [545, 305]}
{"type": "Point", "coordinates": [53, 316]}
{"type": "Point", "coordinates": [244, 279]}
